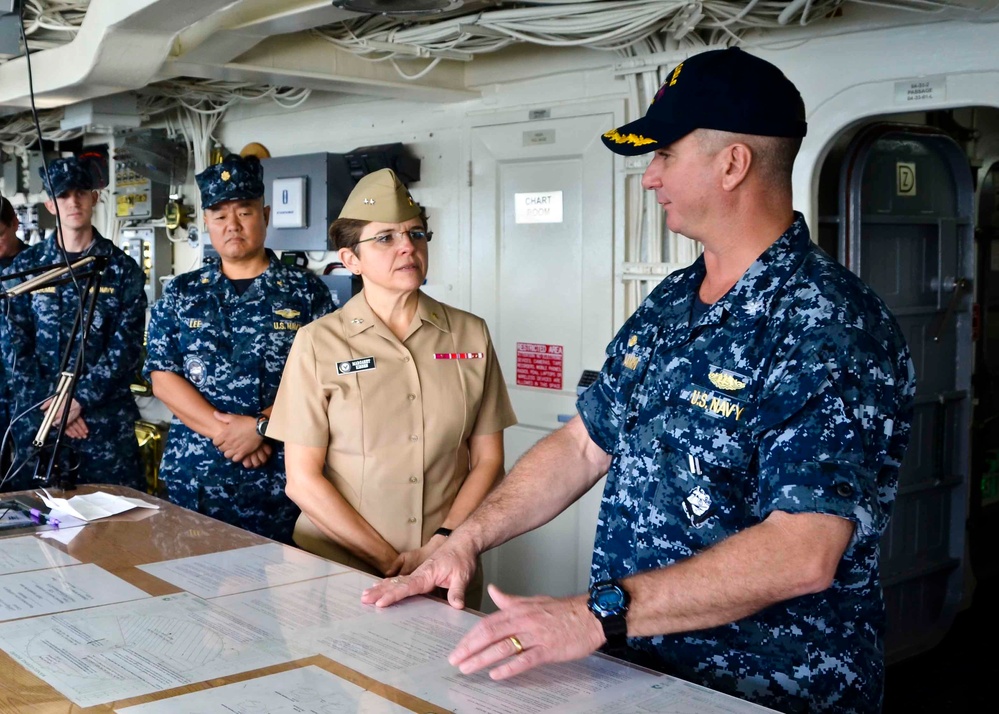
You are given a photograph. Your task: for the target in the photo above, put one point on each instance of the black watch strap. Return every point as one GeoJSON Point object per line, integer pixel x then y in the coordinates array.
{"type": "Point", "coordinates": [443, 531]}
{"type": "Point", "coordinates": [609, 604]}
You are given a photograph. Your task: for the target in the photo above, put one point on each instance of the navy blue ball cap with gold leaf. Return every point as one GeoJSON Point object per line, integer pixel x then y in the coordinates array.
{"type": "Point", "coordinates": [67, 174]}
{"type": "Point", "coordinates": [235, 178]}
{"type": "Point", "coordinates": [727, 90]}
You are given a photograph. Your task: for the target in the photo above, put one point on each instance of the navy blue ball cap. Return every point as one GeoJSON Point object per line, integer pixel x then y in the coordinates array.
{"type": "Point", "coordinates": [728, 90]}
{"type": "Point", "coordinates": [67, 174]}
{"type": "Point", "coordinates": [236, 178]}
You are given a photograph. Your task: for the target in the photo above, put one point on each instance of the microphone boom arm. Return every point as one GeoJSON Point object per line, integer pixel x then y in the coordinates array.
{"type": "Point", "coordinates": [50, 275]}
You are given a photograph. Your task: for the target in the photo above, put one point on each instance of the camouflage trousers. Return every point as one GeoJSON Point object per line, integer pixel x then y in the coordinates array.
{"type": "Point", "coordinates": [196, 476]}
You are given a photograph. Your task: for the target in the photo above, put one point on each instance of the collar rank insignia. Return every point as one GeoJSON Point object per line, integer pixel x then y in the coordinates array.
{"type": "Point", "coordinates": [225, 176]}
{"type": "Point", "coordinates": [287, 313]}
{"type": "Point", "coordinates": [726, 381]}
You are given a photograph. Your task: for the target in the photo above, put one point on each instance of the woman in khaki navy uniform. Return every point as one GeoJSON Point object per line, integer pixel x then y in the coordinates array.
{"type": "Point", "coordinates": [392, 409]}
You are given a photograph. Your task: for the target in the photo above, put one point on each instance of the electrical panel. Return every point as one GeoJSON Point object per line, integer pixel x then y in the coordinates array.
{"type": "Point", "coordinates": [13, 175]}
{"type": "Point", "coordinates": [137, 197]}
{"type": "Point", "coordinates": [366, 159]}
{"type": "Point", "coordinates": [34, 180]}
{"type": "Point", "coordinates": [149, 248]}
{"type": "Point", "coordinates": [152, 153]}
{"type": "Point", "coordinates": [146, 163]}
{"type": "Point", "coordinates": [342, 286]}
{"type": "Point", "coordinates": [307, 192]}
{"type": "Point", "coordinates": [325, 183]}
{"type": "Point", "coordinates": [34, 217]}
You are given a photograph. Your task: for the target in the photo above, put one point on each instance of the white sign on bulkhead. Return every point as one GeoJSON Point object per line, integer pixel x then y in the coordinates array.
{"type": "Point", "coordinates": [538, 207]}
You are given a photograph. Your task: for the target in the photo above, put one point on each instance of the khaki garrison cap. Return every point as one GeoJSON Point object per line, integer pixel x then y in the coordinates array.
{"type": "Point", "coordinates": [380, 196]}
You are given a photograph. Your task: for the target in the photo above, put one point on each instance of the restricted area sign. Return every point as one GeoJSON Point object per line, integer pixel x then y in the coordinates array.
{"type": "Point", "coordinates": [539, 365]}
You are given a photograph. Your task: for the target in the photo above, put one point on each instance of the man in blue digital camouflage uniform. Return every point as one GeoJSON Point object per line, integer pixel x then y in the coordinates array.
{"type": "Point", "coordinates": [100, 430]}
{"type": "Point", "coordinates": [218, 340]}
{"type": "Point", "coordinates": [751, 418]}
{"type": "Point", "coordinates": [10, 246]}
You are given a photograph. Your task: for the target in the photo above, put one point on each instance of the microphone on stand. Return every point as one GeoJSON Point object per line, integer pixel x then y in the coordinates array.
{"type": "Point", "coordinates": [55, 407]}
{"type": "Point", "coordinates": [59, 273]}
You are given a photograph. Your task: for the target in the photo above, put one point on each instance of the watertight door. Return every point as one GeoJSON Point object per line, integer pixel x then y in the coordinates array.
{"type": "Point", "coordinates": [543, 278]}
{"type": "Point", "coordinates": [906, 227]}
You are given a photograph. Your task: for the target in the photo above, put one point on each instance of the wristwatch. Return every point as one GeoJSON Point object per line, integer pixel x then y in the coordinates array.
{"type": "Point", "coordinates": [609, 604]}
{"type": "Point", "coordinates": [262, 421]}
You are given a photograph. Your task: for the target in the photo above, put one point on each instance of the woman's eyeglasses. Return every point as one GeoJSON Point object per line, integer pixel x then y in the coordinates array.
{"type": "Point", "coordinates": [390, 239]}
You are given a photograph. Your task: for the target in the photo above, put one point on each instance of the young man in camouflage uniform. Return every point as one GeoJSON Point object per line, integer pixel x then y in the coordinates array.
{"type": "Point", "coordinates": [218, 340]}
{"type": "Point", "coordinates": [101, 424]}
{"type": "Point", "coordinates": [751, 419]}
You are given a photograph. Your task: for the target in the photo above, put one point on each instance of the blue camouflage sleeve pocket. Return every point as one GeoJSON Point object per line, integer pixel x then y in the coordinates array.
{"type": "Point", "coordinates": [162, 352]}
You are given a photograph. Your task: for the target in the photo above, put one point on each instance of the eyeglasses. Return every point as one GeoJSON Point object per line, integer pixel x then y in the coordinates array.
{"type": "Point", "coordinates": [390, 239]}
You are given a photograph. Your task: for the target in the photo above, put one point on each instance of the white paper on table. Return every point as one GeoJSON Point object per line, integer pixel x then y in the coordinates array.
{"type": "Point", "coordinates": [93, 506]}
{"type": "Point", "coordinates": [242, 569]}
{"type": "Point", "coordinates": [668, 695]}
{"type": "Point", "coordinates": [28, 553]}
{"type": "Point", "coordinates": [41, 592]}
{"type": "Point", "coordinates": [116, 652]}
{"type": "Point", "coordinates": [567, 684]}
{"type": "Point", "coordinates": [64, 533]}
{"type": "Point", "coordinates": [308, 690]}
{"type": "Point", "coordinates": [309, 605]}
{"type": "Point", "coordinates": [423, 633]}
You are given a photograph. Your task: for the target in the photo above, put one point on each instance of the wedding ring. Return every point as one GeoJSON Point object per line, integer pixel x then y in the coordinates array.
{"type": "Point", "coordinates": [516, 644]}
{"type": "Point", "coordinates": [394, 580]}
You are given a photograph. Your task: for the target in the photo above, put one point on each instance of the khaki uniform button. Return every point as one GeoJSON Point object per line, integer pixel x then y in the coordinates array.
{"type": "Point", "coordinates": [412, 519]}
{"type": "Point", "coordinates": [406, 358]}
{"type": "Point", "coordinates": [411, 397]}
{"type": "Point", "coordinates": [414, 437]}
{"type": "Point", "coordinates": [413, 479]}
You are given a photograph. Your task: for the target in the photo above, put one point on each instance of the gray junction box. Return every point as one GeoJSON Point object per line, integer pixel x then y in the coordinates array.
{"type": "Point", "coordinates": [300, 222]}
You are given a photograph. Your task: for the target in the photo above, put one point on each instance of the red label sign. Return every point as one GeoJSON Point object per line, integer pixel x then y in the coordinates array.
{"type": "Point", "coordinates": [539, 365]}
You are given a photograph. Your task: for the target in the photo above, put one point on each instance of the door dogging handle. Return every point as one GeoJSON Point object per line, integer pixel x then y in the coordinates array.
{"type": "Point", "coordinates": [957, 286]}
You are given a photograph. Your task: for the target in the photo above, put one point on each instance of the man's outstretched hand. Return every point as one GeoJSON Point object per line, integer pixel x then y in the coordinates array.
{"type": "Point", "coordinates": [527, 632]}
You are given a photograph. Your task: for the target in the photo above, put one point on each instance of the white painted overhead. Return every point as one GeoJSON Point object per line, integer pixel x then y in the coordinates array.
{"type": "Point", "coordinates": [124, 45]}
{"type": "Point", "coordinates": [121, 45]}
